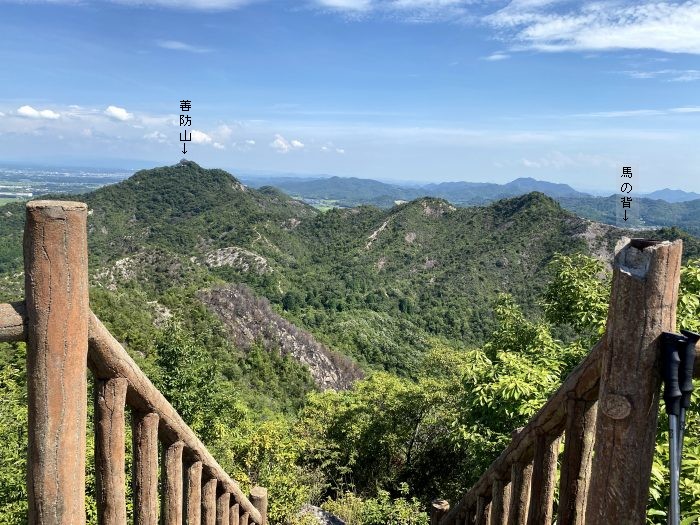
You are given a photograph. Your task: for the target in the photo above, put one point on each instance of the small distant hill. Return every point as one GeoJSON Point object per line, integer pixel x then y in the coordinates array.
{"type": "Point", "coordinates": [670, 195]}
{"type": "Point", "coordinates": [655, 213]}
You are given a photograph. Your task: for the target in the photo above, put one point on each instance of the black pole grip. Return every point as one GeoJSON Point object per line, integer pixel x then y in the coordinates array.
{"type": "Point", "coordinates": [670, 362]}
{"type": "Point", "coordinates": [686, 353]}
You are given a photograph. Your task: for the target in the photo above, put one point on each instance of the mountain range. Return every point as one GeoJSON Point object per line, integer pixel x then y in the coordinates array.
{"type": "Point", "coordinates": [661, 208]}
{"type": "Point", "coordinates": [374, 285]}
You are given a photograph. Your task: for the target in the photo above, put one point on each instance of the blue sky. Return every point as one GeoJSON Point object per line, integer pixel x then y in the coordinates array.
{"type": "Point", "coordinates": [390, 89]}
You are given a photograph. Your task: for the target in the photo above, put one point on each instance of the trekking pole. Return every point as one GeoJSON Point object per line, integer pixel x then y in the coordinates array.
{"type": "Point", "coordinates": [670, 362]}
{"type": "Point", "coordinates": [686, 353]}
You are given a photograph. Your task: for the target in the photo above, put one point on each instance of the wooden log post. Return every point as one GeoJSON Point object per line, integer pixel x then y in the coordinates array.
{"type": "Point", "coordinates": [56, 296]}
{"type": "Point", "coordinates": [438, 509]}
{"type": "Point", "coordinates": [500, 502]}
{"type": "Point", "coordinates": [172, 484]}
{"type": "Point", "coordinates": [145, 478]}
{"type": "Point", "coordinates": [110, 475]}
{"type": "Point", "coordinates": [576, 461]}
{"type": "Point", "coordinates": [258, 497]}
{"type": "Point", "coordinates": [544, 473]}
{"type": "Point", "coordinates": [520, 481]}
{"type": "Point", "coordinates": [194, 493]}
{"type": "Point", "coordinates": [234, 515]}
{"type": "Point", "coordinates": [642, 305]}
{"type": "Point", "coordinates": [209, 502]}
{"type": "Point", "coordinates": [223, 503]}
{"type": "Point", "coordinates": [244, 518]}
{"type": "Point", "coordinates": [482, 516]}
{"type": "Point", "coordinates": [469, 516]}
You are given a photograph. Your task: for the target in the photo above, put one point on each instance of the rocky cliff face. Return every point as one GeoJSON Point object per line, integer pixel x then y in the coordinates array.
{"type": "Point", "coordinates": [250, 319]}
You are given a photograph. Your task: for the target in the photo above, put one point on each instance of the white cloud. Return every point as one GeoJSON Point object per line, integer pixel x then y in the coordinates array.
{"type": "Point", "coordinates": [687, 109]}
{"type": "Point", "coordinates": [282, 145]}
{"type": "Point", "coordinates": [625, 113]}
{"type": "Point", "coordinates": [407, 10]}
{"type": "Point", "coordinates": [349, 5]}
{"type": "Point", "coordinates": [558, 160]}
{"type": "Point", "coordinates": [30, 112]}
{"type": "Point", "coordinates": [224, 132]}
{"type": "Point", "coordinates": [218, 145]}
{"type": "Point", "coordinates": [118, 113]}
{"type": "Point", "coordinates": [176, 45]}
{"type": "Point", "coordinates": [250, 142]}
{"type": "Point", "coordinates": [597, 26]}
{"type": "Point", "coordinates": [190, 5]}
{"type": "Point", "coordinates": [668, 75]}
{"type": "Point", "coordinates": [156, 136]}
{"type": "Point", "coordinates": [496, 56]}
{"type": "Point", "coordinates": [340, 150]}
{"type": "Point", "coordinates": [199, 137]}
{"type": "Point", "coordinates": [640, 112]}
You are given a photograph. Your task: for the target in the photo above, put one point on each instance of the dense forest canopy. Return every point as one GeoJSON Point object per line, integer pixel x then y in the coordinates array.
{"type": "Point", "coordinates": [463, 321]}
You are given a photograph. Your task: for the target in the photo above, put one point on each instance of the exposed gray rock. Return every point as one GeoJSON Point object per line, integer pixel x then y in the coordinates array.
{"type": "Point", "coordinates": [250, 319]}
{"type": "Point", "coordinates": [323, 517]}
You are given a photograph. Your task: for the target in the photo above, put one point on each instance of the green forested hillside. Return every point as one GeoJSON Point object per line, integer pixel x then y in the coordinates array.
{"type": "Point", "coordinates": [374, 284]}
{"type": "Point", "coordinates": [455, 314]}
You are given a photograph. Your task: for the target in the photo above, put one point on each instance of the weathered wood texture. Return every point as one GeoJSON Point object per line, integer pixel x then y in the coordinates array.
{"type": "Point", "coordinates": [245, 517]}
{"type": "Point", "coordinates": [438, 509]}
{"type": "Point", "coordinates": [469, 516]}
{"type": "Point", "coordinates": [575, 474]}
{"type": "Point", "coordinates": [56, 295]}
{"type": "Point", "coordinates": [209, 502]}
{"type": "Point", "coordinates": [500, 502]}
{"type": "Point", "coordinates": [223, 503]}
{"type": "Point", "coordinates": [13, 322]}
{"type": "Point", "coordinates": [234, 515]}
{"type": "Point", "coordinates": [145, 479]}
{"type": "Point", "coordinates": [172, 484]}
{"type": "Point", "coordinates": [550, 419]}
{"type": "Point", "coordinates": [107, 358]}
{"type": "Point", "coordinates": [481, 516]}
{"type": "Point", "coordinates": [194, 493]}
{"type": "Point", "coordinates": [258, 497]}
{"type": "Point", "coordinates": [110, 475]}
{"type": "Point", "coordinates": [544, 475]}
{"type": "Point", "coordinates": [520, 481]}
{"type": "Point", "coordinates": [643, 304]}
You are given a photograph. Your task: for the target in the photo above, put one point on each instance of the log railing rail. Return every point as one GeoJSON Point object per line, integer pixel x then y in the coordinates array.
{"type": "Point", "coordinates": [606, 410]}
{"type": "Point", "coordinates": [65, 339]}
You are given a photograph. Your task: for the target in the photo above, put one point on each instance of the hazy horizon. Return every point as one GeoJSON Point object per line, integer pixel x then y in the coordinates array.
{"type": "Point", "coordinates": [244, 174]}
{"type": "Point", "coordinates": [394, 89]}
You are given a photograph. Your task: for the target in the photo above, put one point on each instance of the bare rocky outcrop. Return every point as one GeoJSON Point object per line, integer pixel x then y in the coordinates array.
{"type": "Point", "coordinates": [250, 319]}
{"type": "Point", "coordinates": [323, 517]}
{"type": "Point", "coordinates": [436, 208]}
{"type": "Point", "coordinates": [597, 237]}
{"type": "Point", "coordinates": [237, 257]}
{"type": "Point", "coordinates": [373, 236]}
{"type": "Point", "coordinates": [135, 268]}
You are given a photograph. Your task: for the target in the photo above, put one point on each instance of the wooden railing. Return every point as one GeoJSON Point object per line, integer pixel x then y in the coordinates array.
{"type": "Point", "coordinates": [64, 339]}
{"type": "Point", "coordinates": [606, 410]}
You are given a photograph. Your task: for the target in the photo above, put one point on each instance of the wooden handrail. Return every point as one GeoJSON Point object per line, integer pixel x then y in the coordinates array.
{"type": "Point", "coordinates": [606, 480]}
{"type": "Point", "coordinates": [107, 358]}
{"type": "Point", "coordinates": [64, 339]}
{"type": "Point", "coordinates": [551, 418]}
